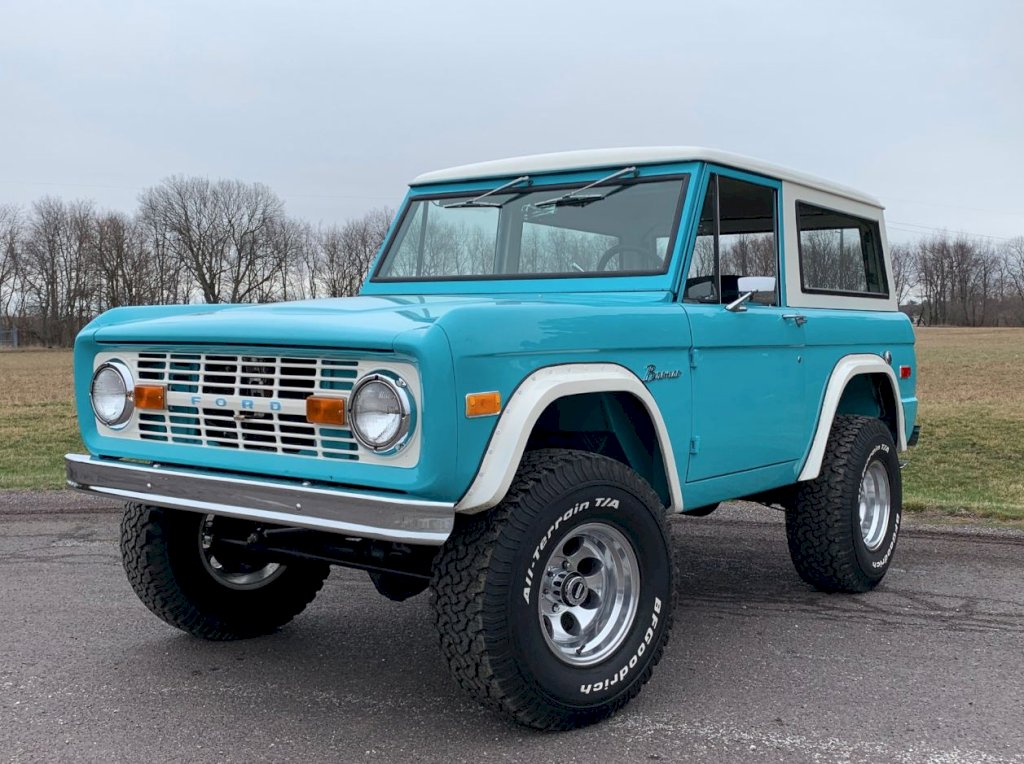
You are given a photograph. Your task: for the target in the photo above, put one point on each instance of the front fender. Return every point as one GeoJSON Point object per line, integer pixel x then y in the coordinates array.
{"type": "Point", "coordinates": [542, 387]}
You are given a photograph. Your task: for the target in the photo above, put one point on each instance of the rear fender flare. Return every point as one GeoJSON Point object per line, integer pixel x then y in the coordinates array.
{"type": "Point", "coordinates": [846, 369]}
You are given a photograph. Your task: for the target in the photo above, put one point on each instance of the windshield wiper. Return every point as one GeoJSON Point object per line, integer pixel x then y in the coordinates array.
{"type": "Point", "coordinates": [576, 197]}
{"type": "Point", "coordinates": [475, 201]}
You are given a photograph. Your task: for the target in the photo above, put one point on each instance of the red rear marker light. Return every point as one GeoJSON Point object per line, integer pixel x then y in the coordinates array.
{"type": "Point", "coordinates": [905, 372]}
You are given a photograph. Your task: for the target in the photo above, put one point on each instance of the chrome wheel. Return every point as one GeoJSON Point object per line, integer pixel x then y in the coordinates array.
{"type": "Point", "coordinates": [231, 569]}
{"type": "Point", "coordinates": [875, 499]}
{"type": "Point", "coordinates": [589, 594]}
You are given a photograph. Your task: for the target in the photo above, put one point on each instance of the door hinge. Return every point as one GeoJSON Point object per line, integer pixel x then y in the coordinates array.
{"type": "Point", "coordinates": [694, 357]}
{"type": "Point", "coordinates": [694, 445]}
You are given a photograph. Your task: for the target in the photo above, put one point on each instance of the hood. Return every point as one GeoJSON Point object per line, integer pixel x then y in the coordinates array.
{"type": "Point", "coordinates": [366, 322]}
{"type": "Point", "coordinates": [370, 323]}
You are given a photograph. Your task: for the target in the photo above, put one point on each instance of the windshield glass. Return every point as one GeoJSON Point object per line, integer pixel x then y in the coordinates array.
{"type": "Point", "coordinates": [622, 228]}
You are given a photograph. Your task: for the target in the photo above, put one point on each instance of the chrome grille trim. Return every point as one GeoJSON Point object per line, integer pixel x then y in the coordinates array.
{"type": "Point", "coordinates": [264, 376]}
{"type": "Point", "coordinates": [250, 402]}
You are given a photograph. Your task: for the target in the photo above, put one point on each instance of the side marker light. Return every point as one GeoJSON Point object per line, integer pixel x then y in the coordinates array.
{"type": "Point", "coordinates": [483, 404]}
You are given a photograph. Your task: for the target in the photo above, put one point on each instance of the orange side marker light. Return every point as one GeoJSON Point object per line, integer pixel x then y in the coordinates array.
{"type": "Point", "coordinates": [325, 410]}
{"type": "Point", "coordinates": [483, 404]}
{"type": "Point", "coordinates": [151, 397]}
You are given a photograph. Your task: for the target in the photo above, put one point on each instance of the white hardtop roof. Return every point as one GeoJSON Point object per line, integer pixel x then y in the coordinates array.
{"type": "Point", "coordinates": [614, 158]}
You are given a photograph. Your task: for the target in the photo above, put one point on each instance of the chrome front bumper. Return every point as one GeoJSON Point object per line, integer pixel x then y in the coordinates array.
{"type": "Point", "coordinates": [280, 502]}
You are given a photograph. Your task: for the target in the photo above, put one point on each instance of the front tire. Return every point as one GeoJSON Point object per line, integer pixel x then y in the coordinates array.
{"type": "Point", "coordinates": [179, 573]}
{"type": "Point", "coordinates": [842, 526]}
{"type": "Point", "coordinates": [554, 607]}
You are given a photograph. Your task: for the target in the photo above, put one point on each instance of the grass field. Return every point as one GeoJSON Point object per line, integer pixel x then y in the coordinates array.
{"type": "Point", "coordinates": [37, 418]}
{"type": "Point", "coordinates": [971, 456]}
{"type": "Point", "coordinates": [970, 461]}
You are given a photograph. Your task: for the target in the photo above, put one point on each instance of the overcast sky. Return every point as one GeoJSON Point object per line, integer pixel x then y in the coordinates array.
{"type": "Point", "coordinates": [337, 106]}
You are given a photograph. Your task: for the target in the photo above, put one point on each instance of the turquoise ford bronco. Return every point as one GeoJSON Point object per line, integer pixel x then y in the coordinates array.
{"type": "Point", "coordinates": [551, 355]}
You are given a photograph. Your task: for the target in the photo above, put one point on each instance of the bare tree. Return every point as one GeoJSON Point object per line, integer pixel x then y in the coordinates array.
{"type": "Point", "coordinates": [904, 271]}
{"type": "Point", "coordinates": [345, 254]}
{"type": "Point", "coordinates": [57, 263]}
{"type": "Point", "coordinates": [219, 231]}
{"type": "Point", "coordinates": [10, 240]}
{"type": "Point", "coordinates": [1014, 261]}
{"type": "Point", "coordinates": [125, 263]}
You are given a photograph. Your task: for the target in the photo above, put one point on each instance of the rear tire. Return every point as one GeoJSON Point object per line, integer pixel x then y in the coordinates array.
{"type": "Point", "coordinates": [554, 607]}
{"type": "Point", "coordinates": [842, 526]}
{"type": "Point", "coordinates": [164, 558]}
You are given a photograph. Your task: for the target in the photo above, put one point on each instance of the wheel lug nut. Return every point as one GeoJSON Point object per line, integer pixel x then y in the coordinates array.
{"type": "Point", "coordinates": [555, 608]}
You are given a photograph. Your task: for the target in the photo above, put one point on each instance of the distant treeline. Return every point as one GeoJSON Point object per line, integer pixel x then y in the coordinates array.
{"type": "Point", "coordinates": [960, 280]}
{"type": "Point", "coordinates": [195, 240]}
{"type": "Point", "coordinates": [190, 240]}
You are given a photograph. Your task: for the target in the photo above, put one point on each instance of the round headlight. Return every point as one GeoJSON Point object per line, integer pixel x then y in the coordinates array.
{"type": "Point", "coordinates": [111, 394]}
{"type": "Point", "coordinates": [379, 412]}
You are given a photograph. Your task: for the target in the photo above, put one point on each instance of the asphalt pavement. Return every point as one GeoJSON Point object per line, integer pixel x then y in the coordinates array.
{"type": "Point", "coordinates": [928, 668]}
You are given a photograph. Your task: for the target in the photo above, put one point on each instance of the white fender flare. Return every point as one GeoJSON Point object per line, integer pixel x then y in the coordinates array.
{"type": "Point", "coordinates": [849, 367]}
{"type": "Point", "coordinates": [542, 387]}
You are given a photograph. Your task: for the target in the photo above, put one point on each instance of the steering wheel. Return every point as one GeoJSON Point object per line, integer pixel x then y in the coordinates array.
{"type": "Point", "coordinates": [618, 249]}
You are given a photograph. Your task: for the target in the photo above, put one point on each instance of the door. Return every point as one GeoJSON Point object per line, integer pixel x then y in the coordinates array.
{"type": "Point", "coordinates": [746, 362]}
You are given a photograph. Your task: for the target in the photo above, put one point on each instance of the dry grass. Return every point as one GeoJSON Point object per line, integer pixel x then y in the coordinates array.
{"type": "Point", "coordinates": [971, 456]}
{"type": "Point", "coordinates": [970, 460]}
{"type": "Point", "coordinates": [37, 418]}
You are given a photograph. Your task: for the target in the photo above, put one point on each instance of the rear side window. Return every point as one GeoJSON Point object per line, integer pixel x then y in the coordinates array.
{"type": "Point", "coordinates": [840, 253]}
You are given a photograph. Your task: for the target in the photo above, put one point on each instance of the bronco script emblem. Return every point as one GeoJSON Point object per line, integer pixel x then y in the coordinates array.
{"type": "Point", "coordinates": [653, 375]}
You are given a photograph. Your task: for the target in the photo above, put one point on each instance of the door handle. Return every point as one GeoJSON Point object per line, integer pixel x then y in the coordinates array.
{"type": "Point", "coordinates": [798, 318]}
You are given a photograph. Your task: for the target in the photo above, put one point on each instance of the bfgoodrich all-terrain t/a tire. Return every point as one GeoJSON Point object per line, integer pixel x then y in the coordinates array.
{"type": "Point", "coordinates": [843, 525]}
{"type": "Point", "coordinates": [189, 588]}
{"type": "Point", "coordinates": [554, 607]}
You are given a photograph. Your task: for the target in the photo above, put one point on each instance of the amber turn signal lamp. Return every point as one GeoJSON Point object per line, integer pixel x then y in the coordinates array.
{"type": "Point", "coordinates": [151, 397]}
{"type": "Point", "coordinates": [483, 404]}
{"type": "Point", "coordinates": [325, 410]}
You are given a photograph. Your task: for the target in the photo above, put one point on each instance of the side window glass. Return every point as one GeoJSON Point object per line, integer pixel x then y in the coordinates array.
{"type": "Point", "coordinates": [839, 253]}
{"type": "Point", "coordinates": [702, 280]}
{"type": "Point", "coordinates": [735, 238]}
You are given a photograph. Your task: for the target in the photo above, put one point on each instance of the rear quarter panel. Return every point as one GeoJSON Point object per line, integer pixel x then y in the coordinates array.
{"type": "Point", "coordinates": [832, 334]}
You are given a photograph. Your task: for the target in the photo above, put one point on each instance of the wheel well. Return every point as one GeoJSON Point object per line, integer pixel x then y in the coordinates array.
{"type": "Point", "coordinates": [614, 424]}
{"type": "Point", "coordinates": [871, 395]}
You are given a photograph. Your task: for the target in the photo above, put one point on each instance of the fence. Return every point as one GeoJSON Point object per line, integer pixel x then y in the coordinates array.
{"type": "Point", "coordinates": [8, 338]}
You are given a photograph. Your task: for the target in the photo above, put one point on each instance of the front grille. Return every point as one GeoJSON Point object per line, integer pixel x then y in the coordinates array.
{"type": "Point", "coordinates": [247, 402]}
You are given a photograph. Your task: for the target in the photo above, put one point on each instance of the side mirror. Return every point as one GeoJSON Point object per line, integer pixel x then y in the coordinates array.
{"type": "Point", "coordinates": [749, 286]}
{"type": "Point", "coordinates": [755, 284]}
